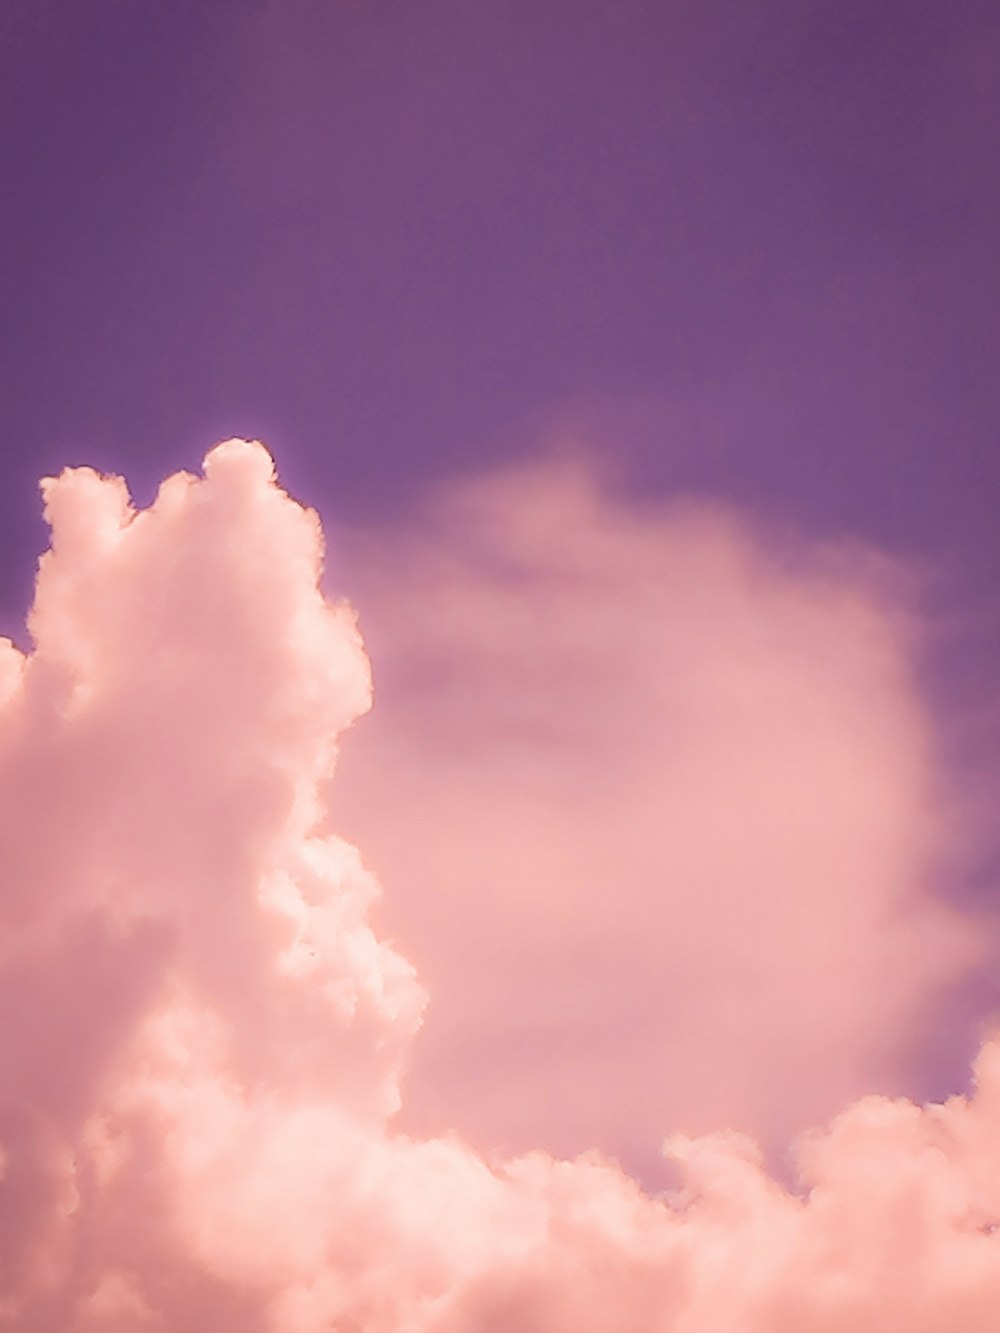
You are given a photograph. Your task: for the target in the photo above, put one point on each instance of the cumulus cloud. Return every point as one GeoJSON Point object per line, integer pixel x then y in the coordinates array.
{"type": "Point", "coordinates": [203, 1039]}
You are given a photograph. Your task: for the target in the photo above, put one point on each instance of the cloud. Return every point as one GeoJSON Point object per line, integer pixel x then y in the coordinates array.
{"type": "Point", "coordinates": [203, 1039]}
{"type": "Point", "coordinates": [679, 809]}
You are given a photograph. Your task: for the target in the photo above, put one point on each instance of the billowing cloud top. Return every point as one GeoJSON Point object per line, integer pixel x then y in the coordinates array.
{"type": "Point", "coordinates": [202, 1038]}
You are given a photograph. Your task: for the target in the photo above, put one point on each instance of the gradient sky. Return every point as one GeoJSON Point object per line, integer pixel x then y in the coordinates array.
{"type": "Point", "coordinates": [615, 344]}
{"type": "Point", "coordinates": [751, 247]}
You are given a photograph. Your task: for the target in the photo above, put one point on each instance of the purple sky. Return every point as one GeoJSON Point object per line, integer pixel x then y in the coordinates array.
{"type": "Point", "coordinates": [749, 247]}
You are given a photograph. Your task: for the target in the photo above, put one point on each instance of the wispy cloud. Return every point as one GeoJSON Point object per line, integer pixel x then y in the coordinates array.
{"type": "Point", "coordinates": [662, 809]}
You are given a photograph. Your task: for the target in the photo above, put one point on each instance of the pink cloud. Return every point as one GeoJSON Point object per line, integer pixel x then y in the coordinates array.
{"type": "Point", "coordinates": [660, 803]}
{"type": "Point", "coordinates": [203, 1038]}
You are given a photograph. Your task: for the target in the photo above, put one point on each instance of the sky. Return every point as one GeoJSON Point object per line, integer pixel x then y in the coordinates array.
{"type": "Point", "coordinates": [541, 846]}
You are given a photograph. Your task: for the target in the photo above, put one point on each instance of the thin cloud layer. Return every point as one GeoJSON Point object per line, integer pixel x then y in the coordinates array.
{"type": "Point", "coordinates": [693, 812]}
{"type": "Point", "coordinates": [203, 1039]}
